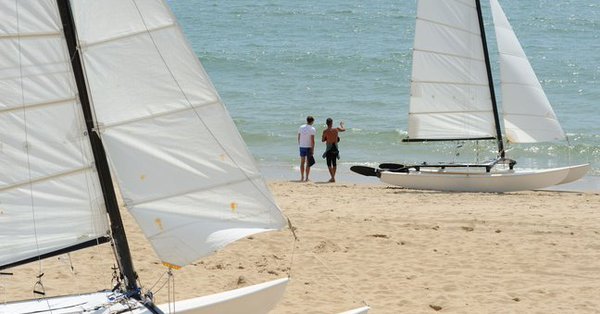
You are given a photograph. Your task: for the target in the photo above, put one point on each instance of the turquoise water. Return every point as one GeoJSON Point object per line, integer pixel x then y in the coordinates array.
{"type": "Point", "coordinates": [275, 62]}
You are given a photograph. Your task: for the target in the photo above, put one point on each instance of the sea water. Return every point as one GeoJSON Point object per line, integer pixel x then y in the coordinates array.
{"type": "Point", "coordinates": [275, 62]}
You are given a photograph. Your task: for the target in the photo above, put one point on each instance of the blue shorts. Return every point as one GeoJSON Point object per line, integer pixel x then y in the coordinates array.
{"type": "Point", "coordinates": [304, 151]}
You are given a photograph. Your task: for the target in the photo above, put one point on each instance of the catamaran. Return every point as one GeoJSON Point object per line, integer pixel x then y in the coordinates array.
{"type": "Point", "coordinates": [100, 96]}
{"type": "Point", "coordinates": [453, 99]}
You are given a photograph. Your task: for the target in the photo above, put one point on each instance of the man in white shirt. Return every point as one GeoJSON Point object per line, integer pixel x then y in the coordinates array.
{"type": "Point", "coordinates": [306, 142]}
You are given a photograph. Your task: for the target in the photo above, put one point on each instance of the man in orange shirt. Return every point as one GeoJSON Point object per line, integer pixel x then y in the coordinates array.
{"type": "Point", "coordinates": [332, 154]}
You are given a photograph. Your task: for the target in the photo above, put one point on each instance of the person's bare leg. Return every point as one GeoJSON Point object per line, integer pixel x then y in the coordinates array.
{"type": "Point", "coordinates": [302, 161]}
{"type": "Point", "coordinates": [333, 169]}
{"type": "Point", "coordinates": [307, 172]}
{"type": "Point", "coordinates": [331, 179]}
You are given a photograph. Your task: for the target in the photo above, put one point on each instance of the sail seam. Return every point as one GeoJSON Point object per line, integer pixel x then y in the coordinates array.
{"type": "Point", "coordinates": [44, 179]}
{"type": "Point", "coordinates": [157, 115]}
{"type": "Point", "coordinates": [448, 54]}
{"type": "Point", "coordinates": [207, 188]}
{"type": "Point", "coordinates": [129, 35]}
{"type": "Point", "coordinates": [38, 105]}
{"type": "Point", "coordinates": [448, 26]}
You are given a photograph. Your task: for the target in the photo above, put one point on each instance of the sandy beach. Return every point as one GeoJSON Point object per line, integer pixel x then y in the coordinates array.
{"type": "Point", "coordinates": [397, 250]}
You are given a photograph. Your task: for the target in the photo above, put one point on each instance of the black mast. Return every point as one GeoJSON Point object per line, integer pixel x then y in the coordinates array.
{"type": "Point", "coordinates": [490, 81]}
{"type": "Point", "coordinates": [108, 191]}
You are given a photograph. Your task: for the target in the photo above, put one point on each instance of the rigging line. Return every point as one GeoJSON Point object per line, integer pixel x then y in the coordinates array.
{"type": "Point", "coordinates": [352, 291]}
{"type": "Point", "coordinates": [172, 277]}
{"type": "Point", "coordinates": [296, 240]}
{"type": "Point", "coordinates": [267, 197]}
{"type": "Point", "coordinates": [157, 281]}
{"type": "Point", "coordinates": [29, 172]}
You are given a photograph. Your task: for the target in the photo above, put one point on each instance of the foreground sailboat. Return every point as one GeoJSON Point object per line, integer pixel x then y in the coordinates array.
{"type": "Point", "coordinates": [95, 92]}
{"type": "Point", "coordinates": [453, 98]}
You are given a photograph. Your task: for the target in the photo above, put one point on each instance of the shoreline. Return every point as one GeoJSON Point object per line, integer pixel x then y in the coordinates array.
{"type": "Point", "coordinates": [285, 172]}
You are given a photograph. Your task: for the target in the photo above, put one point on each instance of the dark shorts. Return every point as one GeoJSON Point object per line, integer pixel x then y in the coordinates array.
{"type": "Point", "coordinates": [304, 151]}
{"type": "Point", "coordinates": [331, 159]}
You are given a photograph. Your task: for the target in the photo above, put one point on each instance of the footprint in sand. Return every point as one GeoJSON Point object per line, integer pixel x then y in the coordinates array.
{"type": "Point", "coordinates": [326, 247]}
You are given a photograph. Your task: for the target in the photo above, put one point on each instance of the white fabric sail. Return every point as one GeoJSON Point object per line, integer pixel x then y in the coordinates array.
{"type": "Point", "coordinates": [50, 197]}
{"type": "Point", "coordinates": [183, 169]}
{"type": "Point", "coordinates": [528, 116]}
{"type": "Point", "coordinates": [450, 97]}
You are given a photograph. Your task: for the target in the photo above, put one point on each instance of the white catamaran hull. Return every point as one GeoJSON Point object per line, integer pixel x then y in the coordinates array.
{"type": "Point", "coordinates": [260, 298]}
{"type": "Point", "coordinates": [360, 310]}
{"type": "Point", "coordinates": [504, 181]}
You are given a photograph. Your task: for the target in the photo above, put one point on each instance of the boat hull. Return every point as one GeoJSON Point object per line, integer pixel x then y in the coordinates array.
{"type": "Point", "coordinates": [504, 181]}
{"type": "Point", "coordinates": [361, 310]}
{"type": "Point", "coordinates": [260, 298]}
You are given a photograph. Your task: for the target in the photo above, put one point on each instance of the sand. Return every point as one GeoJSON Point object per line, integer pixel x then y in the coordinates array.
{"type": "Point", "coordinates": [397, 250]}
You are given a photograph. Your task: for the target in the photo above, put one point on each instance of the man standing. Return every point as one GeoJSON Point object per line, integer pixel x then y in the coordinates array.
{"type": "Point", "coordinates": [332, 154]}
{"type": "Point", "coordinates": [306, 142]}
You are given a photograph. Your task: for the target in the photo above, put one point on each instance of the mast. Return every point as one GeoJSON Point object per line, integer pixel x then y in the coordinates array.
{"type": "Point", "coordinates": [108, 191]}
{"type": "Point", "coordinates": [490, 81]}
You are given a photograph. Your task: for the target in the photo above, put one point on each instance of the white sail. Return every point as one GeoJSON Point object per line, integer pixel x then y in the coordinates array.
{"type": "Point", "coordinates": [49, 192]}
{"type": "Point", "coordinates": [528, 116]}
{"type": "Point", "coordinates": [450, 97]}
{"type": "Point", "coordinates": [184, 171]}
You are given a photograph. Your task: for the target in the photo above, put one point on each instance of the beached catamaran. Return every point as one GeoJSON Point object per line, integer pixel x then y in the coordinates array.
{"type": "Point", "coordinates": [453, 99]}
{"type": "Point", "coordinates": [100, 96]}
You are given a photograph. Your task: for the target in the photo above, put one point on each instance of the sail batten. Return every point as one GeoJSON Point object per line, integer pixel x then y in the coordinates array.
{"type": "Point", "coordinates": [84, 45]}
{"type": "Point", "coordinates": [141, 202]}
{"type": "Point", "coordinates": [18, 185]}
{"type": "Point", "coordinates": [192, 107]}
{"type": "Point", "coordinates": [36, 105]}
{"type": "Point", "coordinates": [450, 26]}
{"type": "Point", "coordinates": [448, 54]}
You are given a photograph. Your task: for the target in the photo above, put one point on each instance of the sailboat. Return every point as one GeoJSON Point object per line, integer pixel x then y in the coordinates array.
{"type": "Point", "coordinates": [104, 96]}
{"type": "Point", "coordinates": [453, 99]}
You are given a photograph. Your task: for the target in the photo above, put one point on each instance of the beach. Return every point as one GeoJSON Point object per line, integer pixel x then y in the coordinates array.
{"type": "Point", "coordinates": [397, 250]}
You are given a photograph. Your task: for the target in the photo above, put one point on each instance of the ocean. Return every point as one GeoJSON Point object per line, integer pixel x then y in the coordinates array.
{"type": "Point", "coordinates": [275, 62]}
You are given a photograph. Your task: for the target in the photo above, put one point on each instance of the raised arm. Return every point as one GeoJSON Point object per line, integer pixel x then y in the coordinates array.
{"type": "Point", "coordinates": [341, 128]}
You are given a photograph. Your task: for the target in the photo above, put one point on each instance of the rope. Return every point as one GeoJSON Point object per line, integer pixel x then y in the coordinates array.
{"type": "Point", "coordinates": [296, 240]}
{"type": "Point", "coordinates": [352, 291]}
{"type": "Point", "coordinates": [27, 136]}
